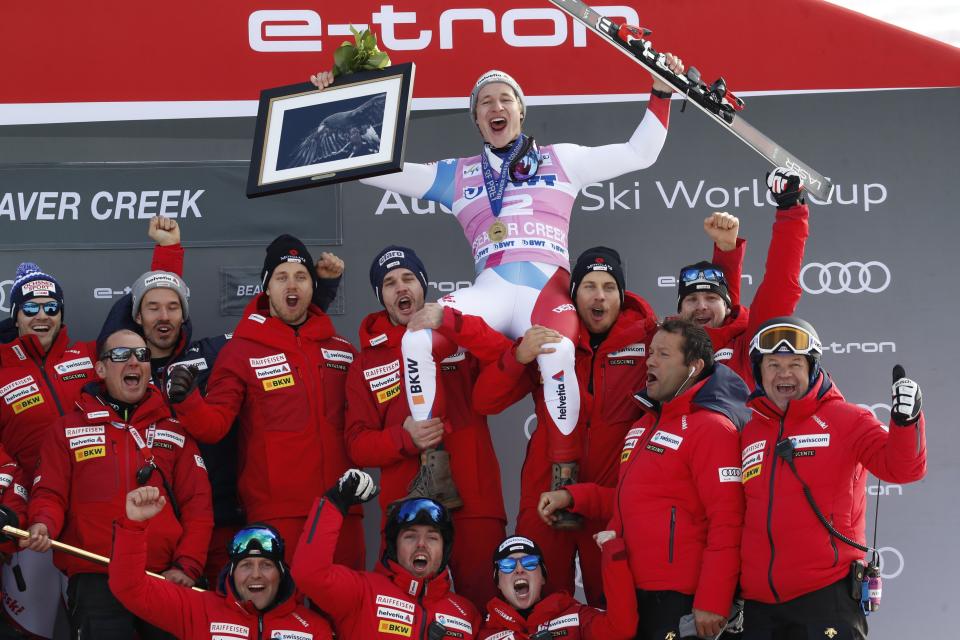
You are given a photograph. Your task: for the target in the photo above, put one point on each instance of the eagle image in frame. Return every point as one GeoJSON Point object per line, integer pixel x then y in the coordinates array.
{"type": "Point", "coordinates": [355, 128]}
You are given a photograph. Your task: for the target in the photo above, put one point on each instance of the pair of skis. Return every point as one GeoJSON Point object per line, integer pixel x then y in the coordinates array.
{"type": "Point", "coordinates": [714, 100]}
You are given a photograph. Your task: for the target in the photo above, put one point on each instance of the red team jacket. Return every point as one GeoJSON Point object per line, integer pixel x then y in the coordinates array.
{"type": "Point", "coordinates": [89, 463]}
{"type": "Point", "coordinates": [618, 369]}
{"type": "Point", "coordinates": [678, 502]}
{"type": "Point", "coordinates": [385, 603]}
{"type": "Point", "coordinates": [13, 494]}
{"type": "Point", "coordinates": [786, 550]}
{"type": "Point", "coordinates": [200, 616]}
{"type": "Point", "coordinates": [562, 614]}
{"type": "Point", "coordinates": [37, 388]}
{"type": "Point", "coordinates": [375, 435]}
{"type": "Point", "coordinates": [286, 387]}
{"type": "Point", "coordinates": [778, 293]}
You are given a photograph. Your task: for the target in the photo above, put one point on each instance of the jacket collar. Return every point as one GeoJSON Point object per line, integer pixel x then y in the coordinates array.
{"type": "Point", "coordinates": [733, 326]}
{"type": "Point", "coordinates": [284, 604]}
{"type": "Point", "coordinates": [257, 325]}
{"type": "Point", "coordinates": [504, 615]}
{"type": "Point", "coordinates": [822, 390]}
{"type": "Point", "coordinates": [722, 391]}
{"type": "Point", "coordinates": [30, 345]}
{"type": "Point", "coordinates": [636, 321]}
{"type": "Point", "coordinates": [151, 409]}
{"type": "Point", "coordinates": [377, 330]}
{"type": "Point", "coordinates": [431, 588]}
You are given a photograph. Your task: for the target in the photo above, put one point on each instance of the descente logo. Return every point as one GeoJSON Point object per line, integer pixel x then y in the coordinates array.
{"type": "Point", "coordinates": [288, 30]}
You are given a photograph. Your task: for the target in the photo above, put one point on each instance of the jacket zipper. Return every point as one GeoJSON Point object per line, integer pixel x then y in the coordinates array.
{"type": "Point", "coordinates": [260, 626]}
{"type": "Point", "coordinates": [833, 543]}
{"type": "Point", "coordinates": [632, 461]}
{"type": "Point", "coordinates": [53, 391]}
{"type": "Point", "coordinates": [673, 528]}
{"type": "Point", "coordinates": [423, 609]}
{"type": "Point", "coordinates": [773, 471]}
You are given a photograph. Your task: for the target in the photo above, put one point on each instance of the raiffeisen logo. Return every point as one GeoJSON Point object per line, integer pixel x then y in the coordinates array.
{"type": "Point", "coordinates": [297, 30]}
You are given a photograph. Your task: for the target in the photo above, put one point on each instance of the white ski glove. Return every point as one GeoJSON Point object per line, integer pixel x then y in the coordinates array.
{"type": "Point", "coordinates": [905, 408]}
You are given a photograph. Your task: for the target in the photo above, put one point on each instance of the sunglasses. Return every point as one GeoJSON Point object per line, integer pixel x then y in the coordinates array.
{"type": "Point", "coordinates": [785, 337]}
{"type": "Point", "coordinates": [50, 307]}
{"type": "Point", "coordinates": [708, 275]}
{"type": "Point", "coordinates": [122, 354]}
{"type": "Point", "coordinates": [509, 565]}
{"type": "Point", "coordinates": [265, 539]}
{"type": "Point", "coordinates": [410, 509]}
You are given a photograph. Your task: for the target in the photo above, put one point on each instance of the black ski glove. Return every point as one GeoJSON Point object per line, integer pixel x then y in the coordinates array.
{"type": "Point", "coordinates": [905, 408]}
{"type": "Point", "coordinates": [786, 187]}
{"type": "Point", "coordinates": [180, 382]}
{"type": "Point", "coordinates": [353, 487]}
{"type": "Point", "coordinates": [9, 517]}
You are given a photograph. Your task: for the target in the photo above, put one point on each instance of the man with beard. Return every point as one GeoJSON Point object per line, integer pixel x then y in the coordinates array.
{"type": "Point", "coordinates": [256, 600]}
{"type": "Point", "coordinates": [457, 467]}
{"type": "Point", "coordinates": [408, 594]}
{"type": "Point", "coordinates": [678, 501]}
{"type": "Point", "coordinates": [523, 612]}
{"type": "Point", "coordinates": [615, 328]}
{"type": "Point", "coordinates": [708, 293]}
{"type": "Point", "coordinates": [282, 376]}
{"type": "Point", "coordinates": [120, 435]}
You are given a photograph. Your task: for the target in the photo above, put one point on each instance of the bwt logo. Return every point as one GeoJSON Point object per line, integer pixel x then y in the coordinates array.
{"type": "Point", "coordinates": [5, 287]}
{"type": "Point", "coordinates": [285, 30]}
{"type": "Point", "coordinates": [852, 277]}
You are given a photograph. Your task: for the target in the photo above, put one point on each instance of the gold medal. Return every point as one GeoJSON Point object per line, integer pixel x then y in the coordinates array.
{"type": "Point", "coordinates": [497, 231]}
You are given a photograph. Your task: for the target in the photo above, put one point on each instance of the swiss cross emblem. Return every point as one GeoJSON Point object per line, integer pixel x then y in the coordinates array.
{"type": "Point", "coordinates": [599, 260]}
{"type": "Point", "coordinates": [294, 252]}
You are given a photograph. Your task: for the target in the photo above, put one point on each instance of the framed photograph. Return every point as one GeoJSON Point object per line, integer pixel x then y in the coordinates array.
{"type": "Point", "coordinates": [355, 128]}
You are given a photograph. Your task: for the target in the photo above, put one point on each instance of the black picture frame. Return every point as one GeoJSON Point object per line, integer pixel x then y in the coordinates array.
{"type": "Point", "coordinates": [355, 128]}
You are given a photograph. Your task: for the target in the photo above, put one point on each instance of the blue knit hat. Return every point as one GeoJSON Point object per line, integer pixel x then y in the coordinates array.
{"type": "Point", "coordinates": [30, 282]}
{"type": "Point", "coordinates": [396, 257]}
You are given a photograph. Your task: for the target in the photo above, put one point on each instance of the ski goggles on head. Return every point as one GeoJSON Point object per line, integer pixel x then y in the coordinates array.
{"type": "Point", "coordinates": [786, 338]}
{"type": "Point", "coordinates": [411, 509]}
{"type": "Point", "coordinates": [122, 354]}
{"type": "Point", "coordinates": [50, 307]}
{"type": "Point", "coordinates": [262, 539]}
{"type": "Point", "coordinates": [527, 164]}
{"type": "Point", "coordinates": [693, 274]}
{"type": "Point", "coordinates": [509, 565]}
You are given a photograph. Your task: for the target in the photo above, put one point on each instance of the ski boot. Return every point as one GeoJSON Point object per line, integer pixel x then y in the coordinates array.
{"type": "Point", "coordinates": [435, 481]}
{"type": "Point", "coordinates": [565, 473]}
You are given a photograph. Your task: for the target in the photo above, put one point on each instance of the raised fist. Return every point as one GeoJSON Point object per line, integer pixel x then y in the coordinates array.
{"type": "Point", "coordinates": [905, 408]}
{"type": "Point", "coordinates": [786, 187]}
{"type": "Point", "coordinates": [164, 231]}
{"type": "Point", "coordinates": [180, 382]}
{"type": "Point", "coordinates": [353, 487]}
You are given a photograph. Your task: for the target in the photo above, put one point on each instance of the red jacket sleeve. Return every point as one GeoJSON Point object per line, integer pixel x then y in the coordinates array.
{"type": "Point", "coordinates": [208, 419]}
{"type": "Point", "coordinates": [780, 291]}
{"type": "Point", "coordinates": [169, 258]}
{"type": "Point", "coordinates": [192, 490]}
{"type": "Point", "coordinates": [502, 383]}
{"type": "Point", "coordinates": [592, 501]}
{"type": "Point", "coordinates": [718, 448]}
{"type": "Point", "coordinates": [370, 442]}
{"type": "Point", "coordinates": [619, 621]}
{"type": "Point", "coordinates": [474, 334]}
{"type": "Point", "coordinates": [49, 496]}
{"type": "Point", "coordinates": [898, 455]}
{"type": "Point", "coordinates": [731, 262]}
{"type": "Point", "coordinates": [339, 588]}
{"type": "Point", "coordinates": [161, 603]}
{"type": "Point", "coordinates": [14, 495]}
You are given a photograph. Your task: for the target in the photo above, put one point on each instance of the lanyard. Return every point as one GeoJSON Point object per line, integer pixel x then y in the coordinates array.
{"type": "Point", "coordinates": [145, 447]}
{"type": "Point", "coordinates": [494, 185]}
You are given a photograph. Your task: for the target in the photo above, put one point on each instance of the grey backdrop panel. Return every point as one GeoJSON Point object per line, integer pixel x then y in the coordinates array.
{"type": "Point", "coordinates": [889, 152]}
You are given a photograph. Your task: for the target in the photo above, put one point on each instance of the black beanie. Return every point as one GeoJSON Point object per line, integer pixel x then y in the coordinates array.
{"type": "Point", "coordinates": [517, 544]}
{"type": "Point", "coordinates": [597, 259]}
{"type": "Point", "coordinates": [701, 283]}
{"type": "Point", "coordinates": [286, 248]}
{"type": "Point", "coordinates": [396, 257]}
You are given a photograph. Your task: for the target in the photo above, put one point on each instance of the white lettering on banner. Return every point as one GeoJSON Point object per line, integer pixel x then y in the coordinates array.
{"type": "Point", "coordinates": [729, 474]}
{"type": "Point", "coordinates": [143, 205]}
{"type": "Point", "coordinates": [811, 440]}
{"type": "Point", "coordinates": [391, 200]}
{"type": "Point", "coordinates": [268, 360]}
{"type": "Point", "coordinates": [226, 627]}
{"type": "Point", "coordinates": [571, 620]}
{"type": "Point", "coordinates": [453, 622]}
{"type": "Point", "coordinates": [76, 443]}
{"type": "Point", "coordinates": [21, 207]}
{"type": "Point", "coordinates": [293, 30]}
{"type": "Point", "coordinates": [16, 383]}
{"type": "Point", "coordinates": [270, 372]}
{"type": "Point", "coordinates": [72, 432]}
{"type": "Point", "coordinates": [396, 602]}
{"type": "Point", "coordinates": [751, 460]}
{"type": "Point", "coordinates": [73, 365]}
{"type": "Point", "coordinates": [336, 355]}
{"type": "Point", "coordinates": [170, 436]}
{"type": "Point", "coordinates": [394, 614]}
{"type": "Point", "coordinates": [635, 349]}
{"type": "Point", "coordinates": [861, 347]}
{"type": "Point", "coordinates": [13, 396]}
{"type": "Point", "coordinates": [448, 287]}
{"type": "Point", "coordinates": [382, 370]}
{"type": "Point", "coordinates": [667, 439]}
{"type": "Point", "coordinates": [753, 448]}
{"type": "Point", "coordinates": [380, 383]}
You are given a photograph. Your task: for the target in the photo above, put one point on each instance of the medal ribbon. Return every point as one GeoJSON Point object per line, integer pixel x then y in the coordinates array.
{"type": "Point", "coordinates": [494, 185]}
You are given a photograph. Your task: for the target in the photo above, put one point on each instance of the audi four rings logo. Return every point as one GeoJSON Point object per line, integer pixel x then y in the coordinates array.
{"type": "Point", "coordinates": [5, 287]}
{"type": "Point", "coordinates": [852, 277]}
